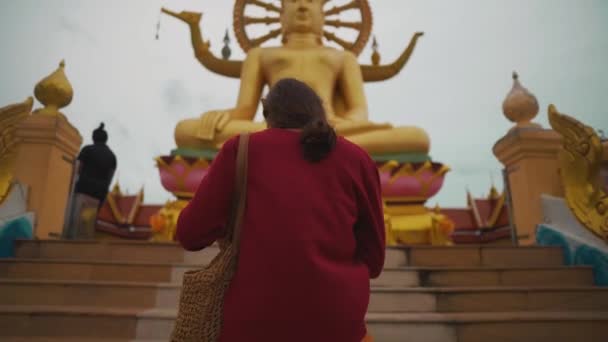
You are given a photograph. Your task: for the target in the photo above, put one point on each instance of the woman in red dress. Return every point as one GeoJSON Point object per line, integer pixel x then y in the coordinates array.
{"type": "Point", "coordinates": [312, 234]}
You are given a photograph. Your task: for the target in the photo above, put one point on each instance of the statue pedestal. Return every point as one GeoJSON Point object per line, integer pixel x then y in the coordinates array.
{"type": "Point", "coordinates": [530, 156]}
{"type": "Point", "coordinates": [406, 186]}
{"type": "Point", "coordinates": [48, 146]}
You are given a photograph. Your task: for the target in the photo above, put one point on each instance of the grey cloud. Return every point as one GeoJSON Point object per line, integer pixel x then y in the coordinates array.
{"type": "Point", "coordinates": [176, 97]}
{"type": "Point", "coordinates": [71, 26]}
{"type": "Point", "coordinates": [119, 129]}
{"type": "Point", "coordinates": [205, 99]}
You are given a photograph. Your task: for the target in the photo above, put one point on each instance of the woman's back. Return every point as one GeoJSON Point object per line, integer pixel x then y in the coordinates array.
{"type": "Point", "coordinates": [311, 238]}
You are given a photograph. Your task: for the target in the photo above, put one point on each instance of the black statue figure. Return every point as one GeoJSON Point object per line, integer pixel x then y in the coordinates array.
{"type": "Point", "coordinates": [97, 164]}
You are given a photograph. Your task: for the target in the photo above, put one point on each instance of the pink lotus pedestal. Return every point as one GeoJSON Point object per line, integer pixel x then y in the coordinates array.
{"type": "Point", "coordinates": [181, 175]}
{"type": "Point", "coordinates": [411, 182]}
{"type": "Point", "coordinates": [405, 189]}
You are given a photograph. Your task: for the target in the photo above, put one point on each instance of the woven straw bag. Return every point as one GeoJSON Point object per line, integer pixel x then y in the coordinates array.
{"type": "Point", "coordinates": [201, 303]}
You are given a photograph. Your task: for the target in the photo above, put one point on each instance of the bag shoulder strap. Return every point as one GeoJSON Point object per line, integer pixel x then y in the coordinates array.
{"type": "Point", "coordinates": [241, 189]}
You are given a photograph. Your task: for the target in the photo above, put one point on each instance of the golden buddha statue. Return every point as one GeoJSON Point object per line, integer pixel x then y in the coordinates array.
{"type": "Point", "coordinates": [334, 74]}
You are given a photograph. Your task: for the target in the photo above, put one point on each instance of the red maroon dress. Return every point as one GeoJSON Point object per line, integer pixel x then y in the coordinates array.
{"type": "Point", "coordinates": [312, 237]}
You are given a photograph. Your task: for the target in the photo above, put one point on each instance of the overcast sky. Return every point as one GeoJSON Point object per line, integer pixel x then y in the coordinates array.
{"type": "Point", "coordinates": [453, 86]}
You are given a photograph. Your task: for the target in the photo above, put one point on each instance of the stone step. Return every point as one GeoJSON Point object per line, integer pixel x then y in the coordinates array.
{"type": "Point", "coordinates": [70, 339]}
{"type": "Point", "coordinates": [420, 256]}
{"type": "Point", "coordinates": [487, 299]}
{"type": "Point", "coordinates": [121, 251]}
{"type": "Point", "coordinates": [130, 324]}
{"type": "Point", "coordinates": [419, 299]}
{"type": "Point", "coordinates": [67, 269]}
{"type": "Point", "coordinates": [489, 326]}
{"type": "Point", "coordinates": [557, 276]}
{"type": "Point", "coordinates": [483, 256]}
{"type": "Point", "coordinates": [411, 276]}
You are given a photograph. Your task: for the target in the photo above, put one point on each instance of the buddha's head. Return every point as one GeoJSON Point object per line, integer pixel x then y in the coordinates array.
{"type": "Point", "coordinates": [302, 16]}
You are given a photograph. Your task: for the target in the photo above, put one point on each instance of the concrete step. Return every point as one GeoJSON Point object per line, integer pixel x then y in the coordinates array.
{"type": "Point", "coordinates": [410, 276]}
{"type": "Point", "coordinates": [58, 269]}
{"type": "Point", "coordinates": [131, 324]}
{"type": "Point", "coordinates": [487, 299]}
{"type": "Point", "coordinates": [489, 326]}
{"type": "Point", "coordinates": [418, 256]}
{"type": "Point", "coordinates": [559, 276]}
{"type": "Point", "coordinates": [482, 256]}
{"type": "Point", "coordinates": [420, 299]}
{"type": "Point", "coordinates": [122, 251]}
{"type": "Point", "coordinates": [70, 339]}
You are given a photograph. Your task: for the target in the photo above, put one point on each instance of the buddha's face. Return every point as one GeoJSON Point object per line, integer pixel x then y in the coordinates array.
{"type": "Point", "coordinates": [303, 16]}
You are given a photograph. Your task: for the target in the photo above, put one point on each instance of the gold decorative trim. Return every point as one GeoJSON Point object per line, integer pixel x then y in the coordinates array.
{"type": "Point", "coordinates": [407, 209]}
{"type": "Point", "coordinates": [139, 199]}
{"type": "Point", "coordinates": [184, 194]}
{"type": "Point", "coordinates": [10, 117]}
{"type": "Point", "coordinates": [497, 210]}
{"type": "Point", "coordinates": [114, 208]}
{"type": "Point", "coordinates": [397, 200]}
{"type": "Point", "coordinates": [8, 190]}
{"type": "Point", "coordinates": [473, 207]}
{"type": "Point", "coordinates": [580, 161]}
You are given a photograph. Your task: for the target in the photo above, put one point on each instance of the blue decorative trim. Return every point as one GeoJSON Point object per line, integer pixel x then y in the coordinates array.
{"type": "Point", "coordinates": [548, 237]}
{"type": "Point", "coordinates": [576, 253]}
{"type": "Point", "coordinates": [17, 229]}
{"type": "Point", "coordinates": [586, 255]}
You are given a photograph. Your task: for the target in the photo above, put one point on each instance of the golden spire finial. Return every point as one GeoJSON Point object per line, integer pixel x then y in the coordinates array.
{"type": "Point", "coordinates": [54, 92]}
{"type": "Point", "coordinates": [375, 55]}
{"type": "Point", "coordinates": [116, 190]}
{"type": "Point", "coordinates": [470, 199]}
{"type": "Point", "coordinates": [520, 106]}
{"type": "Point", "coordinates": [437, 209]}
{"type": "Point", "coordinates": [493, 195]}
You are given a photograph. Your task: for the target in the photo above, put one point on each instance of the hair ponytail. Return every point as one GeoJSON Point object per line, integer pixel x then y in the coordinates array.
{"type": "Point", "coordinates": [292, 104]}
{"type": "Point", "coordinates": [318, 139]}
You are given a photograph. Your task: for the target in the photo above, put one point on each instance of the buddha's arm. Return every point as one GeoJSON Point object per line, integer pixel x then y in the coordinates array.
{"type": "Point", "coordinates": [351, 84]}
{"type": "Point", "coordinates": [201, 48]}
{"type": "Point", "coordinates": [252, 84]}
{"type": "Point", "coordinates": [372, 73]}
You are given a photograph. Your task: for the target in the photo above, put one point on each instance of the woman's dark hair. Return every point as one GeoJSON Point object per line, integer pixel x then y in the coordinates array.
{"type": "Point", "coordinates": [292, 104]}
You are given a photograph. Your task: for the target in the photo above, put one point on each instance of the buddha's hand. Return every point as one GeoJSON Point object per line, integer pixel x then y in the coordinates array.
{"type": "Point", "coordinates": [212, 122]}
{"type": "Point", "coordinates": [190, 18]}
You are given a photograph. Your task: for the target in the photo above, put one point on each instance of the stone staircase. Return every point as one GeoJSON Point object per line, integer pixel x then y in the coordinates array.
{"type": "Point", "coordinates": [125, 291]}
